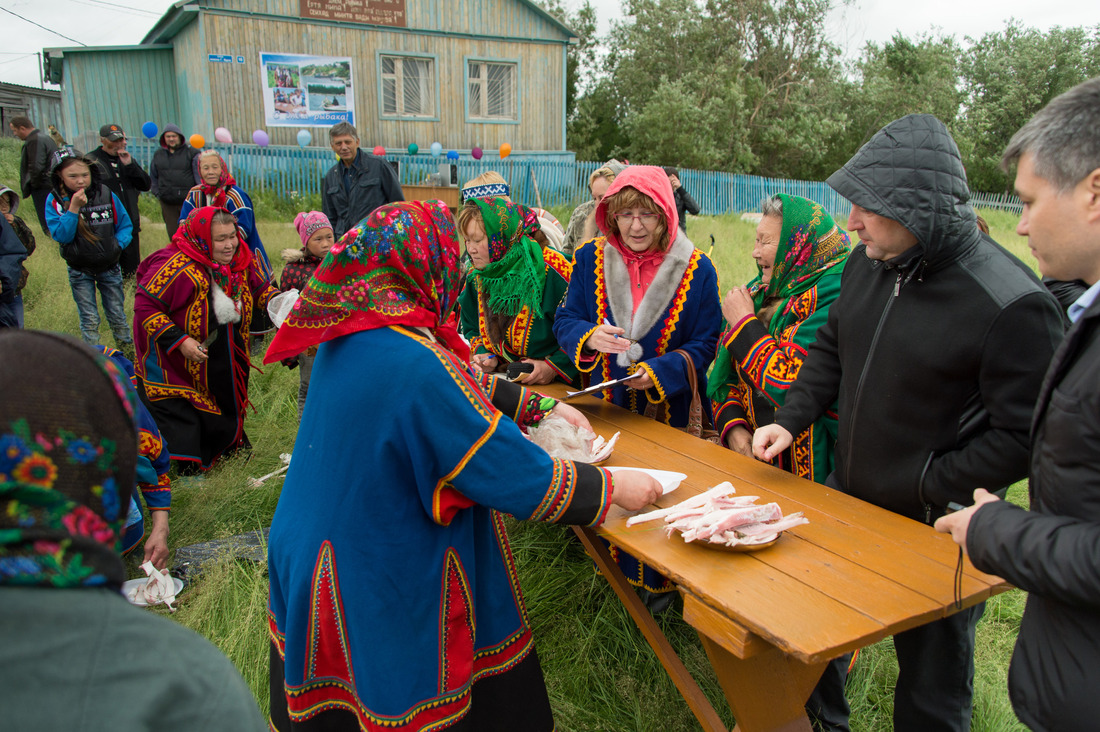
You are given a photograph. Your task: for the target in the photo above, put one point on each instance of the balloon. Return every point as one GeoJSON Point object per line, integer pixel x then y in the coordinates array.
{"type": "Point", "coordinates": [505, 150]}
{"type": "Point", "coordinates": [260, 138]}
{"type": "Point", "coordinates": [304, 138]}
{"type": "Point", "coordinates": [413, 148]}
{"type": "Point", "coordinates": [476, 153]}
{"type": "Point", "coordinates": [149, 129]}
{"type": "Point", "coordinates": [222, 135]}
{"type": "Point", "coordinates": [380, 151]}
{"type": "Point", "coordinates": [437, 149]}
{"type": "Point", "coordinates": [452, 155]}
{"type": "Point", "coordinates": [197, 141]}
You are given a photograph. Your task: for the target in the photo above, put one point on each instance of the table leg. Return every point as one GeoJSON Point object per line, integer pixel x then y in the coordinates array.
{"type": "Point", "coordinates": [767, 691]}
{"type": "Point", "coordinates": [681, 677]}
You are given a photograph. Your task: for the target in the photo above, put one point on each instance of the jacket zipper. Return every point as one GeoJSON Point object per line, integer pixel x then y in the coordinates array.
{"type": "Point", "coordinates": [863, 374]}
{"type": "Point", "coordinates": [920, 489]}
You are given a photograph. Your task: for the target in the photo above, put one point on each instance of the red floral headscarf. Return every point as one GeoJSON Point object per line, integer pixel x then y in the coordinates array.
{"type": "Point", "coordinates": [399, 266]}
{"type": "Point", "coordinates": [216, 194]}
{"type": "Point", "coordinates": [193, 238]}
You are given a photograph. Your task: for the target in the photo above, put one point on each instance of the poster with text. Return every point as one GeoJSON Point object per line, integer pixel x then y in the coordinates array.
{"type": "Point", "coordinates": [306, 91]}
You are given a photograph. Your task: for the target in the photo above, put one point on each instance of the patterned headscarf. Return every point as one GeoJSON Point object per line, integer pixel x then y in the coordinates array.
{"type": "Point", "coordinates": [68, 450]}
{"type": "Point", "coordinates": [810, 243]}
{"type": "Point", "coordinates": [516, 273]}
{"type": "Point", "coordinates": [216, 195]}
{"type": "Point", "coordinates": [194, 238]}
{"type": "Point", "coordinates": [399, 266]}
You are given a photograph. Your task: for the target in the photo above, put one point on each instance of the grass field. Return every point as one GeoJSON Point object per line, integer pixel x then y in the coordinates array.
{"type": "Point", "coordinates": [601, 674]}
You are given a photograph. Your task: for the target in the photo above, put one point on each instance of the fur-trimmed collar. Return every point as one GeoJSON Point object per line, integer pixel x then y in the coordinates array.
{"type": "Point", "coordinates": [656, 299]}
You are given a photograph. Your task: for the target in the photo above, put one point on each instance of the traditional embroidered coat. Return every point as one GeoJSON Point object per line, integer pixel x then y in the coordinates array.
{"type": "Point", "coordinates": [683, 303]}
{"type": "Point", "coordinates": [527, 336]}
{"type": "Point", "coordinates": [394, 597]}
{"type": "Point", "coordinates": [239, 204]}
{"type": "Point", "coordinates": [172, 302]}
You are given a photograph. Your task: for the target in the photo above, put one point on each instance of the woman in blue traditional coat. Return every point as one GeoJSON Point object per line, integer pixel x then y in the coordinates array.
{"type": "Point", "coordinates": [394, 599]}
{"type": "Point", "coordinates": [636, 296]}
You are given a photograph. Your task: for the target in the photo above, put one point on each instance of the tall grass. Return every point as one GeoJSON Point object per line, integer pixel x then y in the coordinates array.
{"type": "Point", "coordinates": [601, 674]}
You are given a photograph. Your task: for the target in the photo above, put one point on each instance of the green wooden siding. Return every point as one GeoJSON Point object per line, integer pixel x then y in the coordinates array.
{"type": "Point", "coordinates": [238, 104]}
{"type": "Point", "coordinates": [192, 82]}
{"type": "Point", "coordinates": [127, 87]}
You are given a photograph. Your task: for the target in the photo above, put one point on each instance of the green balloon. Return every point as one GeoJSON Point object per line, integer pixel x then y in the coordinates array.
{"type": "Point", "coordinates": [413, 148]}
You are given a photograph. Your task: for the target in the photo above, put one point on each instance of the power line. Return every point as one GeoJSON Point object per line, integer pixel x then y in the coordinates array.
{"type": "Point", "coordinates": [20, 58]}
{"type": "Point", "coordinates": [124, 7]}
{"type": "Point", "coordinates": [49, 30]}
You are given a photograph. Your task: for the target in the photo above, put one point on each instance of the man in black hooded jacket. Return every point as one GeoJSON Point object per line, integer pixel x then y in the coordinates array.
{"type": "Point", "coordinates": [936, 349]}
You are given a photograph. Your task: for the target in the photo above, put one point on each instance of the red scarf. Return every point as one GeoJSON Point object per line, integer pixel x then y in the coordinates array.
{"type": "Point", "coordinates": [216, 194]}
{"type": "Point", "coordinates": [193, 238]}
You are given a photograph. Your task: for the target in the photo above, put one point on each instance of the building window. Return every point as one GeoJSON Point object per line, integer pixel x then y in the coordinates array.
{"type": "Point", "coordinates": [408, 86]}
{"type": "Point", "coordinates": [492, 90]}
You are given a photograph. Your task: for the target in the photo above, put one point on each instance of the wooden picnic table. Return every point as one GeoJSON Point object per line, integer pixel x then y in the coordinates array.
{"type": "Point", "coordinates": [770, 620]}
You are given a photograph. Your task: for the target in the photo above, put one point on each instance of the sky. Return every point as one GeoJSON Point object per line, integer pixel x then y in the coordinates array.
{"type": "Point", "coordinates": [125, 22]}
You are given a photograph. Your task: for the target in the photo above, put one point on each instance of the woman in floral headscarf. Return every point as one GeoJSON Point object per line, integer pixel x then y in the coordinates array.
{"type": "Point", "coordinates": [513, 291]}
{"type": "Point", "coordinates": [74, 654]}
{"type": "Point", "coordinates": [394, 600]}
{"type": "Point", "coordinates": [800, 252]}
{"type": "Point", "coordinates": [190, 326]}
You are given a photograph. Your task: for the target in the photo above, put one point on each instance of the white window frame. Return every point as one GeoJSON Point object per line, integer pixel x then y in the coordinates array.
{"type": "Point", "coordinates": [477, 109]}
{"type": "Point", "coordinates": [429, 94]}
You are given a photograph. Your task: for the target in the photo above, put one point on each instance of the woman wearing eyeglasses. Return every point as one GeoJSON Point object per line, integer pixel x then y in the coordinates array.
{"type": "Point", "coordinates": [638, 294]}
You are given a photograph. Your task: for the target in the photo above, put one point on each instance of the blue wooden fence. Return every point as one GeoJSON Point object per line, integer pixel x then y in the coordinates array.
{"type": "Point", "coordinates": [288, 169]}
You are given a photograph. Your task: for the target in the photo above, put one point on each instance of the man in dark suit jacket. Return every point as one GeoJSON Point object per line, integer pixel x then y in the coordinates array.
{"type": "Point", "coordinates": [34, 165]}
{"type": "Point", "coordinates": [126, 179]}
{"type": "Point", "coordinates": [1053, 550]}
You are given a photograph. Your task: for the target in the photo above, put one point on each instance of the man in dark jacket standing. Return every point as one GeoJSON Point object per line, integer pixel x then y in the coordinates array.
{"type": "Point", "coordinates": [34, 165]}
{"type": "Point", "coordinates": [126, 179]}
{"type": "Point", "coordinates": [936, 349]}
{"type": "Point", "coordinates": [685, 204]}
{"type": "Point", "coordinates": [173, 172]}
{"type": "Point", "coordinates": [1053, 550]}
{"type": "Point", "coordinates": [357, 184]}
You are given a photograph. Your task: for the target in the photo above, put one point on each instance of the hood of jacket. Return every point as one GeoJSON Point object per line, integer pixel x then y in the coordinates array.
{"type": "Point", "coordinates": [911, 172]}
{"type": "Point", "coordinates": [14, 206]}
{"type": "Point", "coordinates": [61, 193]}
{"type": "Point", "coordinates": [650, 180]}
{"type": "Point", "coordinates": [172, 128]}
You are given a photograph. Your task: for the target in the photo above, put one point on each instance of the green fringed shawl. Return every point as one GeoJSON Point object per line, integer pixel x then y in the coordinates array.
{"type": "Point", "coordinates": [516, 273]}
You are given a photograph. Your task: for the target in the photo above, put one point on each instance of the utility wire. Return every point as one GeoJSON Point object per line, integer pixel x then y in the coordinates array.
{"type": "Point", "coordinates": [20, 58]}
{"type": "Point", "coordinates": [124, 7]}
{"type": "Point", "coordinates": [50, 30]}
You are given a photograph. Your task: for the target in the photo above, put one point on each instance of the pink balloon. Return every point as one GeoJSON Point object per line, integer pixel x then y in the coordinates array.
{"type": "Point", "coordinates": [221, 134]}
{"type": "Point", "coordinates": [380, 151]}
{"type": "Point", "coordinates": [476, 153]}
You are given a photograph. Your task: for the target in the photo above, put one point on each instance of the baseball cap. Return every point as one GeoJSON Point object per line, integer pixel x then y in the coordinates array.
{"type": "Point", "coordinates": [111, 132]}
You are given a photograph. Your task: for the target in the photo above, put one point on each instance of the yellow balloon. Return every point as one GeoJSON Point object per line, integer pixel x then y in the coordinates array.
{"type": "Point", "coordinates": [197, 141]}
{"type": "Point", "coordinates": [505, 150]}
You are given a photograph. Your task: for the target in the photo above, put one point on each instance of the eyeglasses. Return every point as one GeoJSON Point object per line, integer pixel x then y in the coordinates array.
{"type": "Point", "coordinates": [626, 218]}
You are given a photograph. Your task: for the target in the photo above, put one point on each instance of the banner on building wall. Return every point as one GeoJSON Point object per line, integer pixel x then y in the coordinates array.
{"type": "Point", "coordinates": [306, 91]}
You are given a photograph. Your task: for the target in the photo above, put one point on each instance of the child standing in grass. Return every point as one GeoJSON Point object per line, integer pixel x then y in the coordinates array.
{"type": "Point", "coordinates": [9, 204]}
{"type": "Point", "coordinates": [92, 227]}
{"type": "Point", "coordinates": [317, 238]}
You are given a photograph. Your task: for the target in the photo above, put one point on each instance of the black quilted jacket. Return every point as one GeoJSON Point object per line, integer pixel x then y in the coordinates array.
{"type": "Point", "coordinates": [936, 356]}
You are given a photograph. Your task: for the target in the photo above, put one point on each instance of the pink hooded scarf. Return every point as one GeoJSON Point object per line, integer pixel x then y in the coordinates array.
{"type": "Point", "coordinates": [653, 182]}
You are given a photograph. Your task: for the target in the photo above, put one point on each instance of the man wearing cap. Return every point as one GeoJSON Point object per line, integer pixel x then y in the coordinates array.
{"type": "Point", "coordinates": [34, 165]}
{"type": "Point", "coordinates": [126, 179]}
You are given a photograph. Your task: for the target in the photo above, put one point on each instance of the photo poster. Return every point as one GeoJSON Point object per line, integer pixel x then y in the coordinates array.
{"type": "Point", "coordinates": [306, 91]}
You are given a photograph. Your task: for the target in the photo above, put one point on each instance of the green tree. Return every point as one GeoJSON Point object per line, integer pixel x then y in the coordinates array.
{"type": "Point", "coordinates": [1009, 75]}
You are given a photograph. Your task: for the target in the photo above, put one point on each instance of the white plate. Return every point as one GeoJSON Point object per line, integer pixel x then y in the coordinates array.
{"type": "Point", "coordinates": [668, 479]}
{"type": "Point", "coordinates": [139, 583]}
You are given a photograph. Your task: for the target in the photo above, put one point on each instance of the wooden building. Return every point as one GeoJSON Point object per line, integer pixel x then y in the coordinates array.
{"type": "Point", "coordinates": [42, 106]}
{"type": "Point", "coordinates": [464, 73]}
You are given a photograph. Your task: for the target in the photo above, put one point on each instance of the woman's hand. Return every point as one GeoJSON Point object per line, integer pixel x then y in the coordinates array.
{"type": "Point", "coordinates": [739, 439]}
{"type": "Point", "coordinates": [484, 362]}
{"type": "Point", "coordinates": [78, 201]}
{"type": "Point", "coordinates": [156, 545]}
{"type": "Point", "coordinates": [607, 339]}
{"type": "Point", "coordinates": [632, 489]}
{"type": "Point", "coordinates": [192, 350]}
{"type": "Point", "coordinates": [737, 305]}
{"type": "Point", "coordinates": [642, 382]}
{"type": "Point", "coordinates": [543, 373]}
{"type": "Point", "coordinates": [572, 415]}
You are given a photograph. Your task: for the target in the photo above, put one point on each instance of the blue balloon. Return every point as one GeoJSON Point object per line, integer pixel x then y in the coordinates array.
{"type": "Point", "coordinates": [437, 149]}
{"type": "Point", "coordinates": [452, 155]}
{"type": "Point", "coordinates": [304, 138]}
{"type": "Point", "coordinates": [149, 129]}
